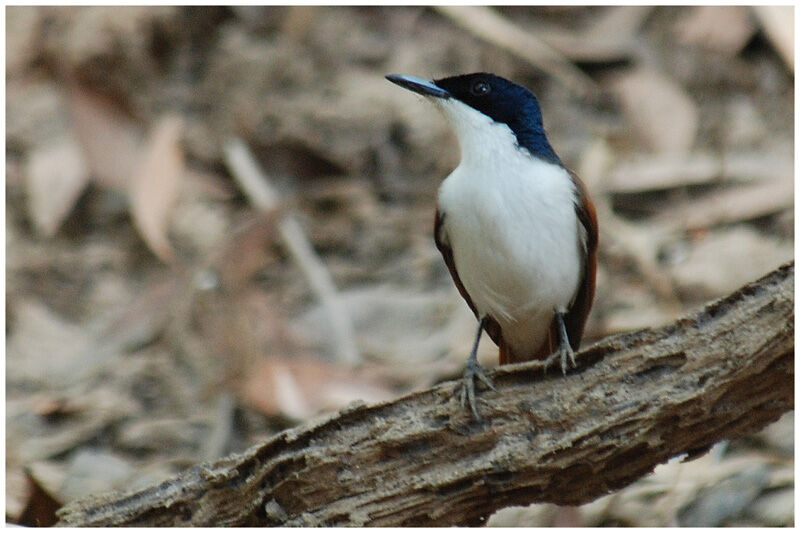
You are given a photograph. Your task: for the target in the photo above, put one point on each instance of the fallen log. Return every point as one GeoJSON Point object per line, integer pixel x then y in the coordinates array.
{"type": "Point", "coordinates": [634, 401]}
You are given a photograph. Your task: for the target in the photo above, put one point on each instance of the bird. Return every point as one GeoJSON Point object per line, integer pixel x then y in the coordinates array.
{"type": "Point", "coordinates": [517, 229]}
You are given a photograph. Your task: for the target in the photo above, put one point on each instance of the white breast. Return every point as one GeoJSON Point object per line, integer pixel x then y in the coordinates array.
{"type": "Point", "coordinates": [511, 223]}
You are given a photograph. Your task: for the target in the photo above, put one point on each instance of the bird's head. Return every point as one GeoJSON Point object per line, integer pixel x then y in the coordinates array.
{"type": "Point", "coordinates": [480, 105]}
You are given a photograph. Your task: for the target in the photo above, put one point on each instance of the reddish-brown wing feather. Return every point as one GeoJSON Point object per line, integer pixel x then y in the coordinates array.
{"type": "Point", "coordinates": [579, 312]}
{"type": "Point", "coordinates": [491, 327]}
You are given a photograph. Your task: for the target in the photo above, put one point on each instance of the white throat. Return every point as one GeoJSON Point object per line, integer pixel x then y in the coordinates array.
{"type": "Point", "coordinates": [479, 137]}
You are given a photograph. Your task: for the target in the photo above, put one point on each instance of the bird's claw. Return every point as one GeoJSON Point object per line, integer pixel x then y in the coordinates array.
{"type": "Point", "coordinates": [564, 354]}
{"type": "Point", "coordinates": [472, 371]}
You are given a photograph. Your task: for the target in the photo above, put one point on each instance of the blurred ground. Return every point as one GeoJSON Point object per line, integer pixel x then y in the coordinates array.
{"type": "Point", "coordinates": [154, 317]}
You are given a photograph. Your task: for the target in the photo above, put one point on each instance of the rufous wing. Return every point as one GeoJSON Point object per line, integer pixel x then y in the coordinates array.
{"type": "Point", "coordinates": [575, 320]}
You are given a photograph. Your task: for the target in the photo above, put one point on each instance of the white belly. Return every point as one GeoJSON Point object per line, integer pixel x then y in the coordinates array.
{"type": "Point", "coordinates": [515, 242]}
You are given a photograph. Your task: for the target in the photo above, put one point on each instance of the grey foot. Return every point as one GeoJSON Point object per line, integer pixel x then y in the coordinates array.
{"type": "Point", "coordinates": [472, 371]}
{"type": "Point", "coordinates": [564, 354]}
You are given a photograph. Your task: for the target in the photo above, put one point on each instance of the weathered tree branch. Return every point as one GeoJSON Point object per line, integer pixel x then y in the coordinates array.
{"type": "Point", "coordinates": [635, 400]}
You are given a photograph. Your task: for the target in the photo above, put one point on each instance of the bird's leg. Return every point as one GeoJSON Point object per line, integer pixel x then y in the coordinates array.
{"type": "Point", "coordinates": [564, 350]}
{"type": "Point", "coordinates": [472, 371]}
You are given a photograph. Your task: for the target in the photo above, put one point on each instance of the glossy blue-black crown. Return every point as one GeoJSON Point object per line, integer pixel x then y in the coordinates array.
{"type": "Point", "coordinates": [504, 102]}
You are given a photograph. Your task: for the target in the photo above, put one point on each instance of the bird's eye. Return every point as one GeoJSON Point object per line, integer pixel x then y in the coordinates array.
{"type": "Point", "coordinates": [480, 88]}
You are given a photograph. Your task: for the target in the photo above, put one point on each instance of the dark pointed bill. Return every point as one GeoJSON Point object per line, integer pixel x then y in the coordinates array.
{"type": "Point", "coordinates": [418, 85]}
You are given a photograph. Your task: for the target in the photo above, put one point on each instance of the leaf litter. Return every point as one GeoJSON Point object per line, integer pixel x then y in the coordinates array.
{"type": "Point", "coordinates": [123, 368]}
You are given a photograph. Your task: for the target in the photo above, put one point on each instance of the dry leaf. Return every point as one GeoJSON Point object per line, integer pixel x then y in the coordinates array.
{"type": "Point", "coordinates": [624, 22]}
{"type": "Point", "coordinates": [732, 205]}
{"type": "Point", "coordinates": [640, 173]}
{"type": "Point", "coordinates": [56, 176]}
{"type": "Point", "coordinates": [209, 184]}
{"type": "Point", "coordinates": [40, 509]}
{"type": "Point", "coordinates": [610, 37]}
{"type": "Point", "coordinates": [45, 351]}
{"type": "Point", "coordinates": [490, 25]}
{"type": "Point", "coordinates": [780, 435]}
{"type": "Point", "coordinates": [95, 32]}
{"type": "Point", "coordinates": [398, 324]}
{"type": "Point", "coordinates": [246, 250]}
{"type": "Point", "coordinates": [726, 259]}
{"type": "Point", "coordinates": [92, 413]}
{"type": "Point", "coordinates": [299, 21]}
{"type": "Point", "coordinates": [156, 434]}
{"type": "Point", "coordinates": [234, 320]}
{"type": "Point", "coordinates": [723, 28]}
{"type": "Point", "coordinates": [110, 140]}
{"type": "Point", "coordinates": [658, 109]}
{"type": "Point", "coordinates": [654, 500]}
{"type": "Point", "coordinates": [774, 508]}
{"type": "Point", "coordinates": [90, 471]}
{"type": "Point", "coordinates": [23, 24]}
{"type": "Point", "coordinates": [715, 506]}
{"type": "Point", "coordinates": [155, 184]}
{"type": "Point", "coordinates": [778, 23]}
{"type": "Point", "coordinates": [301, 387]}
{"type": "Point", "coordinates": [290, 399]}
{"type": "Point", "coordinates": [144, 316]}
{"type": "Point", "coordinates": [645, 172]}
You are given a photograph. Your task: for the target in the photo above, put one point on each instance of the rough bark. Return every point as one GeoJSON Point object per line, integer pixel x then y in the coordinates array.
{"type": "Point", "coordinates": [635, 400]}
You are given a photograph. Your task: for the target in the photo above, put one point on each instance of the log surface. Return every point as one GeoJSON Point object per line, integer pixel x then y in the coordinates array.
{"type": "Point", "coordinates": [634, 401]}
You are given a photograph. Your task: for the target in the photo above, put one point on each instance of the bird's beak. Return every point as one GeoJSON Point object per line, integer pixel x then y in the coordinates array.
{"type": "Point", "coordinates": [418, 85]}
